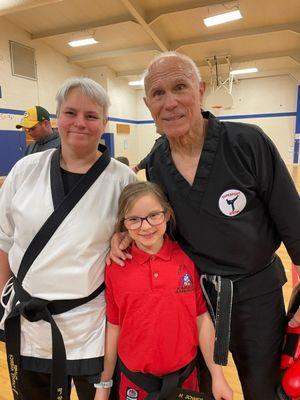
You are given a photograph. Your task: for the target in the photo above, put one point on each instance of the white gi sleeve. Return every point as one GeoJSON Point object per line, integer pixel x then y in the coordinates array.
{"type": "Point", "coordinates": [7, 227]}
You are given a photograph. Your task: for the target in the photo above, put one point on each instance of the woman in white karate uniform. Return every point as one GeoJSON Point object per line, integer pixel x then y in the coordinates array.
{"type": "Point", "coordinates": [64, 264]}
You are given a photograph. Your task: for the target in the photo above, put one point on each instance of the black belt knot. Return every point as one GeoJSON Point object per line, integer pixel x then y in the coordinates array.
{"type": "Point", "coordinates": [34, 309]}
{"type": "Point", "coordinates": [158, 387]}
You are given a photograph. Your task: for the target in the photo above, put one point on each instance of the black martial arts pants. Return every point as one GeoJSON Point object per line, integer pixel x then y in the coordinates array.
{"type": "Point", "coordinates": [36, 386]}
{"type": "Point", "coordinates": [257, 330]}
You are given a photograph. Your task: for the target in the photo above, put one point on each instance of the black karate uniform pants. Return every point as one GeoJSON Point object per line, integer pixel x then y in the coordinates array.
{"type": "Point", "coordinates": [36, 386]}
{"type": "Point", "coordinates": [257, 330]}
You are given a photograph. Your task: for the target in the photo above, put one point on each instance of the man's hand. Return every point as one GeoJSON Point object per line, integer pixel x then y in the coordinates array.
{"type": "Point", "coordinates": [135, 169]}
{"type": "Point", "coordinates": [119, 243]}
{"type": "Point", "coordinates": [295, 320]}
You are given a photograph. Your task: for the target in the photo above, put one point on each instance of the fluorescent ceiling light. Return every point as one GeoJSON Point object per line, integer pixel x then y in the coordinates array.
{"type": "Point", "coordinates": [222, 18]}
{"type": "Point", "coordinates": [82, 42]}
{"type": "Point", "coordinates": [243, 71]}
{"type": "Point", "coordinates": [136, 83]}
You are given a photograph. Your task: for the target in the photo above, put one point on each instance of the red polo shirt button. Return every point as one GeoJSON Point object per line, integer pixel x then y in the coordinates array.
{"type": "Point", "coordinates": [155, 274]}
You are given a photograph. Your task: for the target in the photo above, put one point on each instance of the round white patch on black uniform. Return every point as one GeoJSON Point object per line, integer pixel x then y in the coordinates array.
{"type": "Point", "coordinates": [232, 202]}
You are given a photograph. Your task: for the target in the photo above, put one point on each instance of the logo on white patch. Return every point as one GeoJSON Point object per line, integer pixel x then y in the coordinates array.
{"type": "Point", "coordinates": [131, 394]}
{"type": "Point", "coordinates": [232, 202]}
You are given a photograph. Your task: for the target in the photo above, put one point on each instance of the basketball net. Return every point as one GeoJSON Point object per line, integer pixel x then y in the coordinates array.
{"type": "Point", "coordinates": [220, 96]}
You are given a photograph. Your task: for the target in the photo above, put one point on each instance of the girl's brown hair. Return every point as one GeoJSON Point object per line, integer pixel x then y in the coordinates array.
{"type": "Point", "coordinates": [132, 192]}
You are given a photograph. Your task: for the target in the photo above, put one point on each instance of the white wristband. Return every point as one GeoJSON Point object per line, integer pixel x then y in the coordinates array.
{"type": "Point", "coordinates": [104, 384]}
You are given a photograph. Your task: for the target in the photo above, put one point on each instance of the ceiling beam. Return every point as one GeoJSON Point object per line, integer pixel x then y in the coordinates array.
{"type": "Point", "coordinates": [264, 73]}
{"type": "Point", "coordinates": [12, 6]}
{"type": "Point", "coordinates": [139, 14]}
{"type": "Point", "coordinates": [293, 54]}
{"type": "Point", "coordinates": [152, 17]}
{"type": "Point", "coordinates": [82, 27]}
{"type": "Point", "coordinates": [101, 55]}
{"type": "Point", "coordinates": [295, 28]}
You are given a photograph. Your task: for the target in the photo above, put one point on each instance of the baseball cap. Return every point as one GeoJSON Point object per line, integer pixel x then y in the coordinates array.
{"type": "Point", "coordinates": [33, 116]}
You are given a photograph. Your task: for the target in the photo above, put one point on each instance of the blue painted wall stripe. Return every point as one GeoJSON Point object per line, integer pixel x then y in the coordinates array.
{"type": "Point", "coordinates": [10, 111]}
{"type": "Point", "coordinates": [222, 117]}
{"type": "Point", "coordinates": [296, 151]}
{"type": "Point", "coordinates": [297, 130]}
{"type": "Point", "coordinates": [17, 112]}
{"type": "Point", "coordinates": [267, 115]}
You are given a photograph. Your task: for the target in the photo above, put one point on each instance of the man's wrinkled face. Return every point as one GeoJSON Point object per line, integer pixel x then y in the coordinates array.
{"type": "Point", "coordinates": [174, 96]}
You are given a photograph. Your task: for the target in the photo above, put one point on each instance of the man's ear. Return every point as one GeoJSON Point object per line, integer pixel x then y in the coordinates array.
{"type": "Point", "coordinates": [202, 87]}
{"type": "Point", "coordinates": [145, 101]}
{"type": "Point", "coordinates": [47, 124]}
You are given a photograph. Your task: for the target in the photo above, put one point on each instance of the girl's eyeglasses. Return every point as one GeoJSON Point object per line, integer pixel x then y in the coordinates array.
{"type": "Point", "coordinates": [153, 219]}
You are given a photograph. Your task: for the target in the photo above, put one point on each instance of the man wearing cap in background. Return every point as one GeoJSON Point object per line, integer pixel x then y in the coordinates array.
{"type": "Point", "coordinates": [36, 122]}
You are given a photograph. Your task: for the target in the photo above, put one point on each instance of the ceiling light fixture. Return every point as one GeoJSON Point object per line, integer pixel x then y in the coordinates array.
{"type": "Point", "coordinates": [222, 18]}
{"type": "Point", "coordinates": [136, 83]}
{"type": "Point", "coordinates": [243, 71]}
{"type": "Point", "coordinates": [82, 42]}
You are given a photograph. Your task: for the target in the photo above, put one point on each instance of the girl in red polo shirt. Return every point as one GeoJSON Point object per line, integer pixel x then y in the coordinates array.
{"type": "Point", "coordinates": [156, 314]}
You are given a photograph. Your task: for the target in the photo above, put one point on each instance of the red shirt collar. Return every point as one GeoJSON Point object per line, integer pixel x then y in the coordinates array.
{"type": "Point", "coordinates": [164, 253]}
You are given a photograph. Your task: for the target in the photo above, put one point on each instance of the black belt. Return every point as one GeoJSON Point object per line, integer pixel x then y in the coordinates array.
{"type": "Point", "coordinates": [158, 387]}
{"type": "Point", "coordinates": [222, 315]}
{"type": "Point", "coordinates": [35, 309]}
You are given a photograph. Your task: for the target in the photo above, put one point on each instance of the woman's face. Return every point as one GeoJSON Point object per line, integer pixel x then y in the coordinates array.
{"type": "Point", "coordinates": [80, 122]}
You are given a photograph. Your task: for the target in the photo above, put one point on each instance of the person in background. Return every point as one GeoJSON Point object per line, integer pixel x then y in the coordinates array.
{"type": "Point", "coordinates": [58, 210]}
{"type": "Point", "coordinates": [234, 203]}
{"type": "Point", "coordinates": [156, 314]}
{"type": "Point", "coordinates": [123, 160]}
{"type": "Point", "coordinates": [36, 122]}
{"type": "Point", "coordinates": [143, 163]}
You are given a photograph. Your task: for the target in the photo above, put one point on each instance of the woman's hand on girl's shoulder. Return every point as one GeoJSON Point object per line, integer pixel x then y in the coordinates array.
{"type": "Point", "coordinates": [118, 245]}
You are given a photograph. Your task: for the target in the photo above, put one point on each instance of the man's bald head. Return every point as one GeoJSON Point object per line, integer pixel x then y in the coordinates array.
{"type": "Point", "coordinates": [186, 62]}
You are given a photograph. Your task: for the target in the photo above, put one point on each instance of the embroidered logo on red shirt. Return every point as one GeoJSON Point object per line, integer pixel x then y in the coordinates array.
{"type": "Point", "coordinates": [186, 284]}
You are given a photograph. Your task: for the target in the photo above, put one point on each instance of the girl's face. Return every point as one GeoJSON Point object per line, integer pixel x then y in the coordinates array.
{"type": "Point", "coordinates": [147, 237]}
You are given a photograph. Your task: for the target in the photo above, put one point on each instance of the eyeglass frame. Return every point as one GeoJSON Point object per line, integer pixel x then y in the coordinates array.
{"type": "Point", "coordinates": [142, 219]}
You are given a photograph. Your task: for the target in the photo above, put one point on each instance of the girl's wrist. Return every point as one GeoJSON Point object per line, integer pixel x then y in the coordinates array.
{"type": "Point", "coordinates": [217, 373]}
{"type": "Point", "coordinates": [104, 384]}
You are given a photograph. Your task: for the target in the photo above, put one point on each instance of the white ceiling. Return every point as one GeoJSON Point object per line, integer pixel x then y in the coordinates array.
{"type": "Point", "coordinates": [131, 32]}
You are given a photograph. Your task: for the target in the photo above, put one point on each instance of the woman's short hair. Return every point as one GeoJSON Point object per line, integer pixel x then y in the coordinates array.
{"type": "Point", "coordinates": [93, 90]}
{"type": "Point", "coordinates": [132, 192]}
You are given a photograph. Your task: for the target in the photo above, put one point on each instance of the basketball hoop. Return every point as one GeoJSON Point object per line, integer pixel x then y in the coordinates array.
{"type": "Point", "coordinates": [216, 106]}
{"type": "Point", "coordinates": [219, 99]}
{"type": "Point", "coordinates": [221, 86]}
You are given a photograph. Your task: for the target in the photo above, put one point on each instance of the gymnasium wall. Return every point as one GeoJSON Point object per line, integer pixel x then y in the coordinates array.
{"type": "Point", "coordinates": [269, 102]}
{"type": "Point", "coordinates": [20, 93]}
{"type": "Point", "coordinates": [121, 112]}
